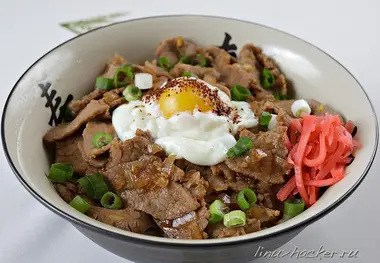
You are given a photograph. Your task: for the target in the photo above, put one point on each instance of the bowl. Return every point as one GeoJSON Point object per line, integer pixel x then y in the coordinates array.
{"type": "Point", "coordinates": [36, 101]}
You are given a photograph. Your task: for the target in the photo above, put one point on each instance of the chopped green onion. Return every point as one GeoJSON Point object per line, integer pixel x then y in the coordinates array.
{"type": "Point", "coordinates": [93, 185]}
{"type": "Point", "coordinates": [121, 73]}
{"type": "Point", "coordinates": [217, 211]}
{"type": "Point", "coordinates": [101, 139]}
{"type": "Point", "coordinates": [234, 219]}
{"type": "Point", "coordinates": [267, 78]}
{"type": "Point", "coordinates": [279, 96]}
{"type": "Point", "coordinates": [111, 201]}
{"type": "Point", "coordinates": [132, 93]}
{"type": "Point", "coordinates": [60, 172]}
{"type": "Point", "coordinates": [294, 207]}
{"type": "Point", "coordinates": [243, 145]}
{"type": "Point", "coordinates": [202, 60]}
{"type": "Point", "coordinates": [242, 197]}
{"type": "Point", "coordinates": [67, 114]}
{"type": "Point", "coordinates": [185, 60]}
{"type": "Point", "coordinates": [79, 204]}
{"type": "Point", "coordinates": [240, 93]}
{"type": "Point", "coordinates": [165, 63]}
{"type": "Point", "coordinates": [104, 83]}
{"type": "Point", "coordinates": [265, 119]}
{"type": "Point", "coordinates": [189, 74]}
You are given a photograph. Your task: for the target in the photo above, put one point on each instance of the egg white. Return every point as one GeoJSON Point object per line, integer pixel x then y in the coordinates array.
{"type": "Point", "coordinates": [202, 138]}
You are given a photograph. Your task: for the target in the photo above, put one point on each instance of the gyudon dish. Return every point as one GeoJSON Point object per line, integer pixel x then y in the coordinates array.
{"type": "Point", "coordinates": [197, 144]}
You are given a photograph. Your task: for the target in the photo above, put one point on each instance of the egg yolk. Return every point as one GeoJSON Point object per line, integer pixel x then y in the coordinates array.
{"type": "Point", "coordinates": [175, 100]}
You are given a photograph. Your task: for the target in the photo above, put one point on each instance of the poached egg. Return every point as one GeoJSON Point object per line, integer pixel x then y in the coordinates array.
{"type": "Point", "coordinates": [188, 118]}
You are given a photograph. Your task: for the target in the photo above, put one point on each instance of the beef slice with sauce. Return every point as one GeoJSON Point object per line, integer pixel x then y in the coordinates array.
{"type": "Point", "coordinates": [220, 57]}
{"type": "Point", "coordinates": [66, 190]}
{"type": "Point", "coordinates": [254, 60]}
{"type": "Point", "coordinates": [189, 226]}
{"type": "Point", "coordinates": [147, 171]}
{"type": "Point", "coordinates": [174, 48]}
{"type": "Point", "coordinates": [171, 202]}
{"type": "Point", "coordinates": [126, 219]}
{"type": "Point", "coordinates": [94, 165]}
{"type": "Point", "coordinates": [208, 74]}
{"type": "Point", "coordinates": [77, 105]}
{"type": "Point", "coordinates": [90, 112]}
{"type": "Point", "coordinates": [131, 149]}
{"type": "Point", "coordinates": [266, 161]}
{"type": "Point", "coordinates": [248, 61]}
{"type": "Point", "coordinates": [195, 184]}
{"type": "Point", "coordinates": [266, 216]}
{"type": "Point", "coordinates": [92, 128]}
{"type": "Point", "coordinates": [110, 69]}
{"type": "Point", "coordinates": [223, 178]}
{"type": "Point", "coordinates": [113, 98]}
{"type": "Point", "coordinates": [156, 71]}
{"type": "Point", "coordinates": [218, 230]}
{"type": "Point", "coordinates": [67, 151]}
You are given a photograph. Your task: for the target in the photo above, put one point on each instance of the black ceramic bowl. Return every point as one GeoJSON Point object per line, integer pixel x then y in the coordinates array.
{"type": "Point", "coordinates": [70, 69]}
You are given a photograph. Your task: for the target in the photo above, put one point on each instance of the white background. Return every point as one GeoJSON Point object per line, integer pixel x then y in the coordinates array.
{"type": "Point", "coordinates": [348, 30]}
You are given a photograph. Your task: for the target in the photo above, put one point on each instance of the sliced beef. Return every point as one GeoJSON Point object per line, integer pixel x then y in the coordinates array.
{"type": "Point", "coordinates": [218, 230]}
{"type": "Point", "coordinates": [67, 151]}
{"type": "Point", "coordinates": [266, 62]}
{"type": "Point", "coordinates": [223, 178]}
{"type": "Point", "coordinates": [269, 105]}
{"type": "Point", "coordinates": [66, 190]}
{"type": "Point", "coordinates": [254, 61]}
{"type": "Point", "coordinates": [156, 71]}
{"type": "Point", "coordinates": [136, 174]}
{"type": "Point", "coordinates": [173, 201]}
{"type": "Point", "coordinates": [91, 111]}
{"type": "Point", "coordinates": [235, 181]}
{"type": "Point", "coordinates": [317, 108]}
{"type": "Point", "coordinates": [131, 150]}
{"type": "Point", "coordinates": [220, 57]}
{"type": "Point", "coordinates": [252, 225]}
{"type": "Point", "coordinates": [235, 74]}
{"type": "Point", "coordinates": [77, 105]}
{"type": "Point", "coordinates": [174, 48]}
{"type": "Point", "coordinates": [126, 219]}
{"type": "Point", "coordinates": [92, 128]}
{"type": "Point", "coordinates": [266, 195]}
{"type": "Point", "coordinates": [217, 180]}
{"type": "Point", "coordinates": [110, 69]}
{"type": "Point", "coordinates": [148, 172]}
{"type": "Point", "coordinates": [176, 174]}
{"type": "Point", "coordinates": [205, 73]}
{"type": "Point", "coordinates": [93, 164]}
{"type": "Point", "coordinates": [248, 61]}
{"type": "Point", "coordinates": [203, 216]}
{"type": "Point", "coordinates": [195, 184]}
{"type": "Point", "coordinates": [185, 227]}
{"type": "Point", "coordinates": [189, 226]}
{"type": "Point", "coordinates": [267, 160]}
{"type": "Point", "coordinates": [112, 66]}
{"type": "Point", "coordinates": [113, 99]}
{"type": "Point", "coordinates": [266, 216]}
